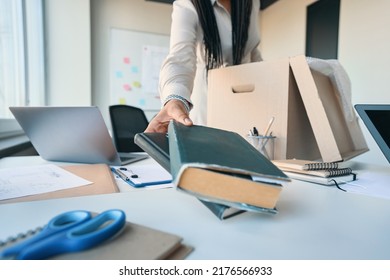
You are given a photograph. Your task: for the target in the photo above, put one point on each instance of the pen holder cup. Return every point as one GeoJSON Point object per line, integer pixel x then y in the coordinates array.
{"type": "Point", "coordinates": [264, 144]}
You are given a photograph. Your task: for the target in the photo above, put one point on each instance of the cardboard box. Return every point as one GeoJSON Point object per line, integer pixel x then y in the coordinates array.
{"type": "Point", "coordinates": [309, 118]}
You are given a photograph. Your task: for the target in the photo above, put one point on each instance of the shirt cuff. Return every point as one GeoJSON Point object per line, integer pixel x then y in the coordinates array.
{"type": "Point", "coordinates": [185, 102]}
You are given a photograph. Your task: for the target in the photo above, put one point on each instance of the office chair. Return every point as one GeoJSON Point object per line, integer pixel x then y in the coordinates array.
{"type": "Point", "coordinates": [126, 121]}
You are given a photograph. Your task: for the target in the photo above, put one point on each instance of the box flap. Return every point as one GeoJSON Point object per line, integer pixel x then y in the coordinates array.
{"type": "Point", "coordinates": [337, 138]}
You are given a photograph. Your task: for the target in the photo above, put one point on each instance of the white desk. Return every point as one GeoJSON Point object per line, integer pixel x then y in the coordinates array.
{"type": "Point", "coordinates": [314, 222]}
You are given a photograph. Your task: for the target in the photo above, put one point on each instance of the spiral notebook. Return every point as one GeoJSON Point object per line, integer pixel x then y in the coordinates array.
{"type": "Point", "coordinates": [328, 181]}
{"type": "Point", "coordinates": [320, 169]}
{"type": "Point", "coordinates": [135, 242]}
{"type": "Point", "coordinates": [324, 173]}
{"type": "Point", "coordinates": [301, 164]}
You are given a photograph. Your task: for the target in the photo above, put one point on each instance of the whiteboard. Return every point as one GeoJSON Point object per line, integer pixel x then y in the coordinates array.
{"type": "Point", "coordinates": [135, 61]}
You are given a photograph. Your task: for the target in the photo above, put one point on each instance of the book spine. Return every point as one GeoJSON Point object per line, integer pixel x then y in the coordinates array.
{"type": "Point", "coordinates": [217, 209]}
{"type": "Point", "coordinates": [320, 166]}
{"type": "Point", "coordinates": [175, 147]}
{"type": "Point", "coordinates": [153, 150]}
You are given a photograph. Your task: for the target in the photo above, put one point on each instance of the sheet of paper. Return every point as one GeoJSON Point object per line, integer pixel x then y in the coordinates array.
{"type": "Point", "coordinates": [367, 183]}
{"type": "Point", "coordinates": [30, 180]}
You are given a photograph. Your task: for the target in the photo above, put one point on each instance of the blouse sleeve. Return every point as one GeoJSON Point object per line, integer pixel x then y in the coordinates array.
{"type": "Point", "coordinates": [178, 70]}
{"type": "Point", "coordinates": [256, 54]}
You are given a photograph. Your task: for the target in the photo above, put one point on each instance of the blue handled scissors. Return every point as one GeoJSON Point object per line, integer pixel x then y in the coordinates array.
{"type": "Point", "coordinates": [68, 232]}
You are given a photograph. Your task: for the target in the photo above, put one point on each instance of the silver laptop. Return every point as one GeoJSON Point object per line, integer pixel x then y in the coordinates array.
{"type": "Point", "coordinates": [376, 117]}
{"type": "Point", "coordinates": [71, 134]}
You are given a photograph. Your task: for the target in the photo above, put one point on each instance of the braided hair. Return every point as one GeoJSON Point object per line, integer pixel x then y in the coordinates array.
{"type": "Point", "coordinates": [240, 15]}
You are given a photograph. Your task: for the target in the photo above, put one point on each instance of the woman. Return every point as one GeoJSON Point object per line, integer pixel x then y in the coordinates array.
{"type": "Point", "coordinates": [205, 34]}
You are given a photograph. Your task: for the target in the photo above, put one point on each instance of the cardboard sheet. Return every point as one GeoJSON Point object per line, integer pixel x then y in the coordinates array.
{"type": "Point", "coordinates": [99, 174]}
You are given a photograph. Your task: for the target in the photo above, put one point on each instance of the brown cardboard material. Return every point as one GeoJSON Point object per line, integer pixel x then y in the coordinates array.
{"type": "Point", "coordinates": [103, 182]}
{"type": "Point", "coordinates": [337, 138]}
{"type": "Point", "coordinates": [309, 122]}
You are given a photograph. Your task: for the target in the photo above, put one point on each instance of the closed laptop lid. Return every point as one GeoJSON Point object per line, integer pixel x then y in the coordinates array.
{"type": "Point", "coordinates": [376, 117]}
{"type": "Point", "coordinates": [71, 134]}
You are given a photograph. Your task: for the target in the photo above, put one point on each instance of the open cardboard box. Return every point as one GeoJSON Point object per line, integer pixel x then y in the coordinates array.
{"type": "Point", "coordinates": [309, 119]}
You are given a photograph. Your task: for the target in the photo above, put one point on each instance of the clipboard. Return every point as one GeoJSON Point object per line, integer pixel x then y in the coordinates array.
{"type": "Point", "coordinates": [143, 175]}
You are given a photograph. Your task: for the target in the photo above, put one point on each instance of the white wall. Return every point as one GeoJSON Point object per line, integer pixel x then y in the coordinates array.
{"type": "Point", "coordinates": [364, 46]}
{"type": "Point", "coordinates": [138, 15]}
{"type": "Point", "coordinates": [283, 29]}
{"type": "Point", "coordinates": [68, 52]}
{"type": "Point", "coordinates": [77, 45]}
{"type": "Point", "coordinates": [364, 41]}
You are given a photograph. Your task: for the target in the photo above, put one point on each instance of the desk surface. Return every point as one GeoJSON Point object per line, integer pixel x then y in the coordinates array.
{"type": "Point", "coordinates": [314, 222]}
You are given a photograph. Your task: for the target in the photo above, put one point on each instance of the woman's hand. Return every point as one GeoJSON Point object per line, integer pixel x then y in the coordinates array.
{"type": "Point", "coordinates": [173, 110]}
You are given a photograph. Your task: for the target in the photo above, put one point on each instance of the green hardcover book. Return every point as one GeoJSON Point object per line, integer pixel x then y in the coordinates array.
{"type": "Point", "coordinates": [222, 167]}
{"type": "Point", "coordinates": [157, 146]}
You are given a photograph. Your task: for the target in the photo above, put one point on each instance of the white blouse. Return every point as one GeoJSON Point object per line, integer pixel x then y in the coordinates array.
{"type": "Point", "coordinates": [183, 72]}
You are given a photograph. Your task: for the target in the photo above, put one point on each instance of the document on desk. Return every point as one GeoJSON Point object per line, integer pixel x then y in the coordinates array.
{"type": "Point", "coordinates": [31, 180]}
{"type": "Point", "coordinates": [376, 185]}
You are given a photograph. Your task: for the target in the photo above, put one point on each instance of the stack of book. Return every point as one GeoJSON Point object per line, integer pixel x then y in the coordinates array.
{"type": "Point", "coordinates": [325, 173]}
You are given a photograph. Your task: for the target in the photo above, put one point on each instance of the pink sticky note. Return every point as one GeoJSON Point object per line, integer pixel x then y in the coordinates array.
{"type": "Point", "coordinates": [127, 87]}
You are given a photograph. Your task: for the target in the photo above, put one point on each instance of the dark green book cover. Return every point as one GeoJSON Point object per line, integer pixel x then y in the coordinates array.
{"type": "Point", "coordinates": [241, 177]}
{"type": "Point", "coordinates": [219, 150]}
{"type": "Point", "coordinates": [157, 146]}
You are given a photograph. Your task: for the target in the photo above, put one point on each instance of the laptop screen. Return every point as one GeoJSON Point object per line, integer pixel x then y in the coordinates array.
{"type": "Point", "coordinates": [376, 117]}
{"type": "Point", "coordinates": [70, 134]}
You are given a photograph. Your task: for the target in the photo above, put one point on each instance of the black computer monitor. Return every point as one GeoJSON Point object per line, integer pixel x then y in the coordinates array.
{"type": "Point", "coordinates": [376, 117]}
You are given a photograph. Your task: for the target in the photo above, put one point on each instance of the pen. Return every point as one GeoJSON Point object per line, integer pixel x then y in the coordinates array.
{"type": "Point", "coordinates": [121, 174]}
{"type": "Point", "coordinates": [269, 126]}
